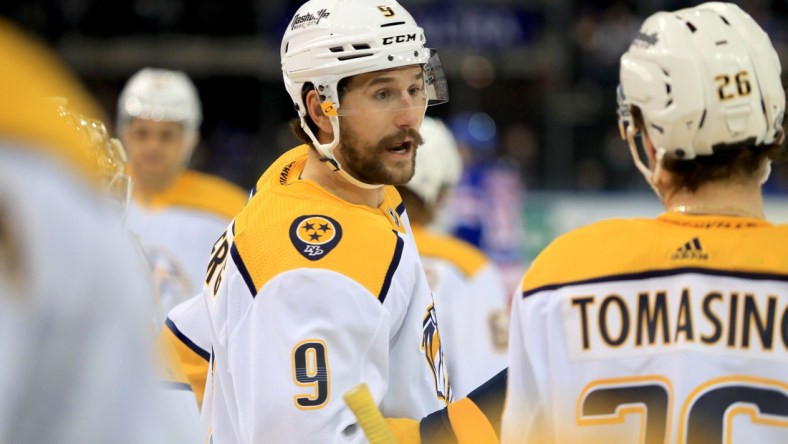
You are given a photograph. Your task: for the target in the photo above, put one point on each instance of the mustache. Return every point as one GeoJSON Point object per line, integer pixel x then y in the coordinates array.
{"type": "Point", "coordinates": [399, 137]}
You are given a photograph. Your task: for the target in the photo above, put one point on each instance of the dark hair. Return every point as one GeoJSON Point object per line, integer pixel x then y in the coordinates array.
{"type": "Point", "coordinates": [729, 161]}
{"type": "Point", "coordinates": [295, 123]}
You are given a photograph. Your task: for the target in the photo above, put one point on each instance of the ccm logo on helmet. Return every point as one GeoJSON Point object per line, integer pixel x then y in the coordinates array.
{"type": "Point", "coordinates": [399, 39]}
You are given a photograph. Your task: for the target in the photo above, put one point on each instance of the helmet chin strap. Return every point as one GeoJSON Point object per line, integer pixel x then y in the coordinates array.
{"type": "Point", "coordinates": [326, 150]}
{"type": "Point", "coordinates": [767, 170]}
{"type": "Point", "coordinates": [651, 176]}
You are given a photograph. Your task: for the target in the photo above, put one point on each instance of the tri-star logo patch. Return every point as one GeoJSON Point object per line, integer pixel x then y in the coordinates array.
{"type": "Point", "coordinates": [314, 236]}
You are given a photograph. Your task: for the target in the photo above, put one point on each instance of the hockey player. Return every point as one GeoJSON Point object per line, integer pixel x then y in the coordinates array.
{"type": "Point", "coordinates": [670, 329]}
{"type": "Point", "coordinates": [316, 285]}
{"type": "Point", "coordinates": [176, 212]}
{"type": "Point", "coordinates": [466, 285]}
{"type": "Point", "coordinates": [78, 365]}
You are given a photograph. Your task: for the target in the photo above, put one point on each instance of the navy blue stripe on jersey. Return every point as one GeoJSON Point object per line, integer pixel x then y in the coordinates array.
{"type": "Point", "coordinates": [436, 427]}
{"type": "Point", "coordinates": [171, 385]}
{"type": "Point", "coordinates": [239, 264]}
{"type": "Point", "coordinates": [186, 341]}
{"type": "Point", "coordinates": [662, 273]}
{"type": "Point", "coordinates": [401, 208]}
{"type": "Point", "coordinates": [392, 268]}
{"type": "Point", "coordinates": [490, 396]}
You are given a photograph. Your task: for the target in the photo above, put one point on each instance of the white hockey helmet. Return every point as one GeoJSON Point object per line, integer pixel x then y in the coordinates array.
{"type": "Point", "coordinates": [702, 77]}
{"type": "Point", "coordinates": [330, 40]}
{"type": "Point", "coordinates": [438, 162]}
{"type": "Point", "coordinates": [162, 95]}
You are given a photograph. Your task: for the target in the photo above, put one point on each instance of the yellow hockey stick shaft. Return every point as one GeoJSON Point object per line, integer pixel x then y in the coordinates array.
{"type": "Point", "coordinates": [360, 401]}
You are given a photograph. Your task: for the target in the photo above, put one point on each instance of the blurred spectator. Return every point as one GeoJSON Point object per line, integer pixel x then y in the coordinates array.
{"type": "Point", "coordinates": [486, 208]}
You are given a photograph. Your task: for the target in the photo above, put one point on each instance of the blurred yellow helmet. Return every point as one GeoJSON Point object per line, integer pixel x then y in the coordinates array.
{"type": "Point", "coordinates": [29, 76]}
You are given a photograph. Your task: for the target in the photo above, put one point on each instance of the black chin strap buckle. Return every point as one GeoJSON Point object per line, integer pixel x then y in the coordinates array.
{"type": "Point", "coordinates": [332, 162]}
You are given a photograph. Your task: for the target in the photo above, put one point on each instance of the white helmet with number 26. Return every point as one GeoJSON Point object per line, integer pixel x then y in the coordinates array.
{"type": "Point", "coordinates": [702, 77]}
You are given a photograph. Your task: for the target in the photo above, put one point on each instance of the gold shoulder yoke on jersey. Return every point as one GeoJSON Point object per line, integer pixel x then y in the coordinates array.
{"type": "Point", "coordinates": [203, 192]}
{"type": "Point", "coordinates": [467, 258]}
{"type": "Point", "coordinates": [291, 224]}
{"type": "Point", "coordinates": [638, 248]}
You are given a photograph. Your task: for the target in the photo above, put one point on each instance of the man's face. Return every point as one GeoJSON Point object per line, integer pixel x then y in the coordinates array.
{"type": "Point", "coordinates": [378, 139]}
{"type": "Point", "coordinates": [156, 150]}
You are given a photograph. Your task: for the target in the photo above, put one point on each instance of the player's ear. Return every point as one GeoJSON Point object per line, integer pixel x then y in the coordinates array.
{"type": "Point", "coordinates": [316, 113]}
{"type": "Point", "coordinates": [648, 147]}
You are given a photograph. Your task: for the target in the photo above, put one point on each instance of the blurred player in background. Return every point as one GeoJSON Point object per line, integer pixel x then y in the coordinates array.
{"type": "Point", "coordinates": [671, 329]}
{"type": "Point", "coordinates": [466, 285]}
{"type": "Point", "coordinates": [78, 362]}
{"type": "Point", "coordinates": [177, 213]}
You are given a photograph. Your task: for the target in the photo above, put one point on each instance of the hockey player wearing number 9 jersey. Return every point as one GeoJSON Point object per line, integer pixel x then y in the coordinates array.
{"type": "Point", "coordinates": [674, 329]}
{"type": "Point", "coordinates": [317, 286]}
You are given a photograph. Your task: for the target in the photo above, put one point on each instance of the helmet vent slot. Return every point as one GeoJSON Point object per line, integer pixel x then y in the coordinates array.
{"type": "Point", "coordinates": [702, 119]}
{"type": "Point", "coordinates": [658, 128]}
{"type": "Point", "coordinates": [351, 57]}
{"type": "Point", "coordinates": [385, 25]}
{"type": "Point", "coordinates": [691, 27]}
{"type": "Point", "coordinates": [360, 46]}
{"type": "Point", "coordinates": [336, 49]}
{"type": "Point", "coordinates": [725, 20]}
{"type": "Point", "coordinates": [721, 42]}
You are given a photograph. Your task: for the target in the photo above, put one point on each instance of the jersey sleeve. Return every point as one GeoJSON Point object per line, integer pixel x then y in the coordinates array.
{"type": "Point", "coordinates": [186, 339]}
{"type": "Point", "coordinates": [309, 336]}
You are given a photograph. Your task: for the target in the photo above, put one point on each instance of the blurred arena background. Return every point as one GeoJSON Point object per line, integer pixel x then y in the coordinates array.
{"type": "Point", "coordinates": [532, 87]}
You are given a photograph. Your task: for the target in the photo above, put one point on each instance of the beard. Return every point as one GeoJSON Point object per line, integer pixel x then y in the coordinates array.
{"type": "Point", "coordinates": [367, 162]}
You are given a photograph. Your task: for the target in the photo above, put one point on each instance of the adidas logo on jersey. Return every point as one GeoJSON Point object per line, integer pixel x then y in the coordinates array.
{"type": "Point", "coordinates": [691, 250]}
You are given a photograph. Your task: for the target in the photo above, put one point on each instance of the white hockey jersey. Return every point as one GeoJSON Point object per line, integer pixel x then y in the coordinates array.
{"type": "Point", "coordinates": [178, 227]}
{"type": "Point", "coordinates": [470, 303]}
{"type": "Point", "coordinates": [78, 363]}
{"type": "Point", "coordinates": [309, 296]}
{"type": "Point", "coordinates": [672, 330]}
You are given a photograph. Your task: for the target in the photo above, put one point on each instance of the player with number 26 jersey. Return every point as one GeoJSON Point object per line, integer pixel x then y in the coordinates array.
{"type": "Point", "coordinates": [673, 329]}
